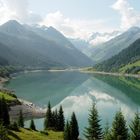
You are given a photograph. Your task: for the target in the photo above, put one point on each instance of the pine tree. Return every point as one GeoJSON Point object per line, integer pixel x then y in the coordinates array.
{"type": "Point", "coordinates": [119, 128]}
{"type": "Point", "coordinates": [1, 110]}
{"type": "Point", "coordinates": [106, 133]}
{"type": "Point", "coordinates": [94, 130]}
{"type": "Point", "coordinates": [135, 128]}
{"type": "Point", "coordinates": [32, 125]}
{"type": "Point", "coordinates": [48, 119]}
{"type": "Point", "coordinates": [53, 120]}
{"type": "Point", "coordinates": [56, 119]}
{"type": "Point", "coordinates": [21, 119]}
{"type": "Point", "coordinates": [61, 120]}
{"type": "Point", "coordinates": [5, 112]}
{"type": "Point", "coordinates": [74, 129]}
{"type": "Point", "coordinates": [67, 132]}
{"type": "Point", "coordinates": [3, 132]}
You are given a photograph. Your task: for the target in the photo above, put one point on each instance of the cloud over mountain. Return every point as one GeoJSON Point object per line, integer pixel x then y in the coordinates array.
{"type": "Point", "coordinates": [19, 10]}
{"type": "Point", "coordinates": [72, 27]}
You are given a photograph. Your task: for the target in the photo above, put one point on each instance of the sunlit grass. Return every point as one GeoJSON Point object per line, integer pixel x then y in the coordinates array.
{"type": "Point", "coordinates": [25, 134]}
{"type": "Point", "coordinates": [6, 96]}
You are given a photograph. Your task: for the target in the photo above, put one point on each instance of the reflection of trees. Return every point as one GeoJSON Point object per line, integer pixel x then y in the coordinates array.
{"type": "Point", "coordinates": [129, 86]}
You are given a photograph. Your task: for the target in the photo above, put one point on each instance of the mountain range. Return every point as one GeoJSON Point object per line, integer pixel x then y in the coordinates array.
{"type": "Point", "coordinates": [32, 46]}
{"type": "Point", "coordinates": [45, 47]}
{"type": "Point", "coordinates": [116, 45]}
{"type": "Point", "coordinates": [127, 61]}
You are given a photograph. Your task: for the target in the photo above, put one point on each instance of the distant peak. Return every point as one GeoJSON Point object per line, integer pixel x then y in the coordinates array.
{"type": "Point", "coordinates": [52, 28]}
{"type": "Point", "coordinates": [134, 28]}
{"type": "Point", "coordinates": [12, 22]}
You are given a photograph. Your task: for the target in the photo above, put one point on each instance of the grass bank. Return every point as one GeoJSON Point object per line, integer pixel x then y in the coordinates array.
{"type": "Point", "coordinates": [25, 134]}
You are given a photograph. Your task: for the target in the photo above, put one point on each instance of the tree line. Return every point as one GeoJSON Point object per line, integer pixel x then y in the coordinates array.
{"type": "Point", "coordinates": [55, 120]}
{"type": "Point", "coordinates": [126, 56]}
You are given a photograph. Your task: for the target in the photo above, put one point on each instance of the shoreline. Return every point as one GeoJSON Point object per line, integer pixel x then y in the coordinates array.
{"type": "Point", "coordinates": [112, 74]}
{"type": "Point", "coordinates": [3, 80]}
{"type": "Point", "coordinates": [29, 111]}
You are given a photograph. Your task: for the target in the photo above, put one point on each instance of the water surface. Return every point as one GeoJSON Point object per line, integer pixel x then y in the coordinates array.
{"type": "Point", "coordinates": [76, 92]}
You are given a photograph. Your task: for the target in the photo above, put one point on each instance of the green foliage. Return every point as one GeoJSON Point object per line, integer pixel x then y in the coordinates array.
{"type": "Point", "coordinates": [67, 135]}
{"type": "Point", "coordinates": [119, 129]}
{"type": "Point", "coordinates": [25, 134]}
{"type": "Point", "coordinates": [74, 129]}
{"type": "Point", "coordinates": [32, 125]}
{"type": "Point", "coordinates": [14, 126]}
{"type": "Point", "coordinates": [94, 130]}
{"type": "Point", "coordinates": [5, 71]}
{"type": "Point", "coordinates": [6, 96]}
{"type": "Point", "coordinates": [4, 112]}
{"type": "Point", "coordinates": [127, 56]}
{"type": "Point", "coordinates": [55, 119]}
{"type": "Point", "coordinates": [3, 132]}
{"type": "Point", "coordinates": [135, 128]}
{"type": "Point", "coordinates": [48, 119]}
{"type": "Point", "coordinates": [61, 119]}
{"type": "Point", "coordinates": [21, 119]}
{"type": "Point", "coordinates": [107, 133]}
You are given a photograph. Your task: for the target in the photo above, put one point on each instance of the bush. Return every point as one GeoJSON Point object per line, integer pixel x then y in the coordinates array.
{"type": "Point", "coordinates": [14, 127]}
{"type": "Point", "coordinates": [44, 132]}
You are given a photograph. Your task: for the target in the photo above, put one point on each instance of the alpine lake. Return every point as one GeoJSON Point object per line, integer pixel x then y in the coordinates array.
{"type": "Point", "coordinates": [76, 92]}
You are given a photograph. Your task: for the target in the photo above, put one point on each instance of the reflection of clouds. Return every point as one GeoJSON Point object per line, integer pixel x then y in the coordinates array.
{"type": "Point", "coordinates": [106, 104]}
{"type": "Point", "coordinates": [100, 96]}
{"type": "Point", "coordinates": [77, 104]}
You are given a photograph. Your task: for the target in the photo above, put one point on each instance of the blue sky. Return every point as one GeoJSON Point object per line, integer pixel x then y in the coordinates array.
{"type": "Point", "coordinates": [82, 9]}
{"type": "Point", "coordinates": [75, 18]}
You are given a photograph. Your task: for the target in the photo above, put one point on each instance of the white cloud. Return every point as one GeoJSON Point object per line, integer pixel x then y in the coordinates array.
{"type": "Point", "coordinates": [76, 28]}
{"type": "Point", "coordinates": [100, 38]}
{"type": "Point", "coordinates": [18, 10]}
{"type": "Point", "coordinates": [129, 17]}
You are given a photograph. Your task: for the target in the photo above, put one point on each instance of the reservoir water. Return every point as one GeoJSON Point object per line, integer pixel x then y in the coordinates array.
{"type": "Point", "coordinates": [76, 92]}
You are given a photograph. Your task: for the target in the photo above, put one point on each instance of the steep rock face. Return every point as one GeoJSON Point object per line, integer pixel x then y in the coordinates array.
{"type": "Point", "coordinates": [38, 47]}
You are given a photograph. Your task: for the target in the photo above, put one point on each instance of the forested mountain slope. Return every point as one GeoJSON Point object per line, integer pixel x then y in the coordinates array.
{"type": "Point", "coordinates": [127, 61]}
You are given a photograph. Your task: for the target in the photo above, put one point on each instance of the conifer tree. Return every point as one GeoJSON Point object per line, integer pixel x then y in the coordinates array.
{"type": "Point", "coordinates": [48, 119]}
{"type": "Point", "coordinates": [21, 119]}
{"type": "Point", "coordinates": [3, 132]}
{"type": "Point", "coordinates": [74, 129]}
{"type": "Point", "coordinates": [4, 112]}
{"type": "Point", "coordinates": [61, 120]}
{"type": "Point", "coordinates": [67, 132]}
{"type": "Point", "coordinates": [1, 110]}
{"type": "Point", "coordinates": [106, 133]}
{"type": "Point", "coordinates": [53, 120]}
{"type": "Point", "coordinates": [94, 130]}
{"type": "Point", "coordinates": [119, 128]}
{"type": "Point", "coordinates": [56, 119]}
{"type": "Point", "coordinates": [32, 125]}
{"type": "Point", "coordinates": [135, 128]}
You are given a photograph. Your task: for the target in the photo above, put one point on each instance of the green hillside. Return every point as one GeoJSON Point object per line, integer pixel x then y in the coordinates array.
{"type": "Point", "coordinates": [114, 46]}
{"type": "Point", "coordinates": [25, 134]}
{"type": "Point", "coordinates": [130, 67]}
{"type": "Point", "coordinates": [127, 61]}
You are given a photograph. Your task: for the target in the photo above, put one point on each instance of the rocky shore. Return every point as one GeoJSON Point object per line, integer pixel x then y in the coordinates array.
{"type": "Point", "coordinates": [29, 110]}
